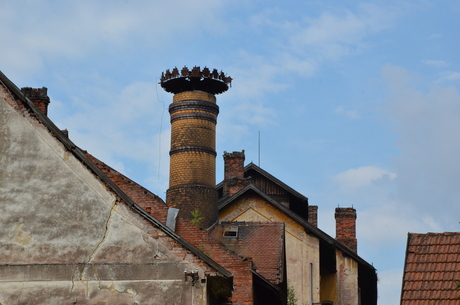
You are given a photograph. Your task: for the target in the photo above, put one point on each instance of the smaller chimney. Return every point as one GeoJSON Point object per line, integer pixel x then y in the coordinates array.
{"type": "Point", "coordinates": [234, 180]}
{"type": "Point", "coordinates": [313, 215]}
{"type": "Point", "coordinates": [345, 220]}
{"type": "Point", "coordinates": [38, 96]}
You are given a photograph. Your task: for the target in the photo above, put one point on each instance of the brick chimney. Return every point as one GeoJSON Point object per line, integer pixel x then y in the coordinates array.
{"type": "Point", "coordinates": [192, 176]}
{"type": "Point", "coordinates": [313, 215]}
{"type": "Point", "coordinates": [345, 220]}
{"type": "Point", "coordinates": [234, 179]}
{"type": "Point", "coordinates": [38, 96]}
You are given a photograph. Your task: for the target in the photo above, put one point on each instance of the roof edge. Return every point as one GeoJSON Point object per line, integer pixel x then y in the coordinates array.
{"type": "Point", "coordinates": [274, 179]}
{"type": "Point", "coordinates": [311, 229]}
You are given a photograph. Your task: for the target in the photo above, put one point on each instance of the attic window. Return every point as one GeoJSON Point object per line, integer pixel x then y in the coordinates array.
{"type": "Point", "coordinates": [230, 232]}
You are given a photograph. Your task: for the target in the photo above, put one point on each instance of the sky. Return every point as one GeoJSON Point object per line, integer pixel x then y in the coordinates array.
{"type": "Point", "coordinates": [356, 103]}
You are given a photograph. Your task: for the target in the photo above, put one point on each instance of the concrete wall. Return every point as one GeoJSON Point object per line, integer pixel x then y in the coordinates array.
{"type": "Point", "coordinates": [302, 250]}
{"type": "Point", "coordinates": [66, 239]}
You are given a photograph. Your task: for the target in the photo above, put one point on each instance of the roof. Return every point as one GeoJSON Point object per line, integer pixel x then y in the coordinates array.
{"type": "Point", "coordinates": [83, 158]}
{"type": "Point", "coordinates": [252, 167]}
{"type": "Point", "coordinates": [431, 267]}
{"type": "Point", "coordinates": [310, 229]}
{"type": "Point", "coordinates": [148, 201]}
{"type": "Point", "coordinates": [263, 242]}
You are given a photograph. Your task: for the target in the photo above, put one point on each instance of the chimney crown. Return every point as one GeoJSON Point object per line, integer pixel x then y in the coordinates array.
{"type": "Point", "coordinates": [235, 154]}
{"type": "Point", "coordinates": [38, 96]}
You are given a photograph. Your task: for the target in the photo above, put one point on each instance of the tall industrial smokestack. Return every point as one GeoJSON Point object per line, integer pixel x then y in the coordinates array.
{"type": "Point", "coordinates": [192, 176]}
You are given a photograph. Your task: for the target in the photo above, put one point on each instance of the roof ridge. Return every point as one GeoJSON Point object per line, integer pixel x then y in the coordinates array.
{"type": "Point", "coordinates": [311, 229]}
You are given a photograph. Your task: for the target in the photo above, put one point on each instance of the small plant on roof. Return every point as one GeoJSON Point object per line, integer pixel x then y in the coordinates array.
{"type": "Point", "coordinates": [457, 287]}
{"type": "Point", "coordinates": [203, 249]}
{"type": "Point", "coordinates": [196, 217]}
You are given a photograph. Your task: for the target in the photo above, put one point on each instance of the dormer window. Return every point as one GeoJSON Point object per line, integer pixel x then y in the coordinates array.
{"type": "Point", "coordinates": [230, 232]}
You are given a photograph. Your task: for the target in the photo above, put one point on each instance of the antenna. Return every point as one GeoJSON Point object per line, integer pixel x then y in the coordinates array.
{"type": "Point", "coordinates": [259, 149]}
{"type": "Point", "coordinates": [159, 135]}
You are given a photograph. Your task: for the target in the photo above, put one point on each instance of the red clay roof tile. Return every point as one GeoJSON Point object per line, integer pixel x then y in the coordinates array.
{"type": "Point", "coordinates": [263, 242]}
{"type": "Point", "coordinates": [432, 265]}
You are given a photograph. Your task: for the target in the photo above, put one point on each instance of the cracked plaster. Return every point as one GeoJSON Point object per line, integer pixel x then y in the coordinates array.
{"type": "Point", "coordinates": [66, 240]}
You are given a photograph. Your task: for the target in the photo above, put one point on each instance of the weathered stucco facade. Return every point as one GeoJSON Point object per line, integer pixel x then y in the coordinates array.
{"type": "Point", "coordinates": [302, 250]}
{"type": "Point", "coordinates": [320, 269]}
{"type": "Point", "coordinates": [66, 238]}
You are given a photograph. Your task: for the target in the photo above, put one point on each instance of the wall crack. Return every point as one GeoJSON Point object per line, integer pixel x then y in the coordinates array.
{"type": "Point", "coordinates": [107, 223]}
{"type": "Point", "coordinates": [81, 269]}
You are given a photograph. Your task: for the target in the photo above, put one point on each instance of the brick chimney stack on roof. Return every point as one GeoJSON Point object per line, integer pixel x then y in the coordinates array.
{"type": "Point", "coordinates": [234, 179]}
{"type": "Point", "coordinates": [38, 96]}
{"type": "Point", "coordinates": [192, 176]}
{"type": "Point", "coordinates": [313, 215]}
{"type": "Point", "coordinates": [345, 220]}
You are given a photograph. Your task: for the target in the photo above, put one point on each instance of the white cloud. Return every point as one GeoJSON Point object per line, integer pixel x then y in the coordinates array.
{"type": "Point", "coordinates": [336, 34]}
{"type": "Point", "coordinates": [258, 77]}
{"type": "Point", "coordinates": [389, 285]}
{"type": "Point", "coordinates": [388, 221]}
{"type": "Point", "coordinates": [351, 114]}
{"type": "Point", "coordinates": [49, 30]}
{"type": "Point", "coordinates": [435, 63]}
{"type": "Point", "coordinates": [121, 127]}
{"type": "Point", "coordinates": [354, 179]}
{"type": "Point", "coordinates": [449, 76]}
{"type": "Point", "coordinates": [426, 119]}
{"type": "Point", "coordinates": [434, 36]}
{"type": "Point", "coordinates": [304, 67]}
{"type": "Point", "coordinates": [301, 46]}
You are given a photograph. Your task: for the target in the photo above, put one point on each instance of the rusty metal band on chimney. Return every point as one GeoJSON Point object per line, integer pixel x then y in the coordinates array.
{"type": "Point", "coordinates": [192, 148]}
{"type": "Point", "coordinates": [196, 105]}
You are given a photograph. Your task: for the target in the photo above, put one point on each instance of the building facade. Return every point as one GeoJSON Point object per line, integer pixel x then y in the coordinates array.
{"type": "Point", "coordinates": [76, 231]}
{"type": "Point", "coordinates": [319, 268]}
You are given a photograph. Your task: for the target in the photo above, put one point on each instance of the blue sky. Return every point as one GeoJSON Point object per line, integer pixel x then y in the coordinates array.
{"type": "Point", "coordinates": [357, 103]}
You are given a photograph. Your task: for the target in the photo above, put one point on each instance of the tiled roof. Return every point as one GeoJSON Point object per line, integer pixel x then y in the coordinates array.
{"type": "Point", "coordinates": [252, 167]}
{"type": "Point", "coordinates": [148, 201]}
{"type": "Point", "coordinates": [431, 268]}
{"type": "Point", "coordinates": [312, 230]}
{"type": "Point", "coordinates": [263, 242]}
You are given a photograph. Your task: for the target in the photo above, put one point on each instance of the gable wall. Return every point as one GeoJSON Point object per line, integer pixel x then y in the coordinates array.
{"type": "Point", "coordinates": [302, 250]}
{"type": "Point", "coordinates": [65, 238]}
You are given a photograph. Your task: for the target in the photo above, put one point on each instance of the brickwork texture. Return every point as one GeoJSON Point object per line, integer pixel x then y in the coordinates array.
{"type": "Point", "coordinates": [234, 180]}
{"type": "Point", "coordinates": [192, 177]}
{"type": "Point", "coordinates": [345, 219]}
